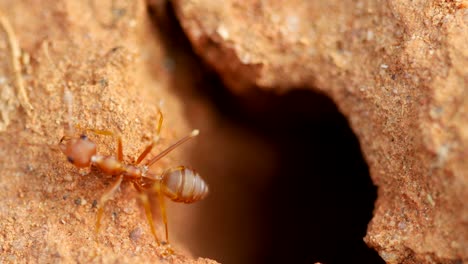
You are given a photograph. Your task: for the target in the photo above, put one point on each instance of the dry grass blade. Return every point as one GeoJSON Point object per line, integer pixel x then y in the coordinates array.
{"type": "Point", "coordinates": [15, 56]}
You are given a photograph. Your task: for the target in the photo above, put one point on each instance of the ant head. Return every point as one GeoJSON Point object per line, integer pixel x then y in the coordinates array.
{"type": "Point", "coordinates": [78, 150]}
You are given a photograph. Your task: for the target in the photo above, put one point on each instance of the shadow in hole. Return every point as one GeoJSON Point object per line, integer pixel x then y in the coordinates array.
{"type": "Point", "coordinates": [321, 198]}
{"type": "Point", "coordinates": [317, 205]}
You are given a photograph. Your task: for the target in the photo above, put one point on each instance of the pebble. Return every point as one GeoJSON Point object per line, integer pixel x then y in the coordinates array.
{"type": "Point", "coordinates": [135, 234]}
{"type": "Point", "coordinates": [80, 201]}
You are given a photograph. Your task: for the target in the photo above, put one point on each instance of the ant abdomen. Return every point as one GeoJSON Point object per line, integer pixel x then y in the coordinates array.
{"type": "Point", "coordinates": [184, 185]}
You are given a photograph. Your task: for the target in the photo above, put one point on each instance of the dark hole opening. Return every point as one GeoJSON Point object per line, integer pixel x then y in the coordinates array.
{"type": "Point", "coordinates": [318, 200]}
{"type": "Point", "coordinates": [321, 198]}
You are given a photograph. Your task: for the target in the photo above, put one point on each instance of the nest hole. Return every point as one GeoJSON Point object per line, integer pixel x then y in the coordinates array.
{"type": "Point", "coordinates": [317, 198]}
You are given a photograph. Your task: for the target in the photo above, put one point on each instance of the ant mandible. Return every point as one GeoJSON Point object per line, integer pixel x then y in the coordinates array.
{"type": "Point", "coordinates": [180, 184]}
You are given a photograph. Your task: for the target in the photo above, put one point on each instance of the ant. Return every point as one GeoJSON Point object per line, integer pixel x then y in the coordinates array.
{"type": "Point", "coordinates": [180, 184]}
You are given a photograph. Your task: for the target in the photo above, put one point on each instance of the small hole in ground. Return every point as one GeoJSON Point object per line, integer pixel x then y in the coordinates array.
{"type": "Point", "coordinates": [287, 177]}
{"type": "Point", "coordinates": [317, 198]}
{"type": "Point", "coordinates": [320, 199]}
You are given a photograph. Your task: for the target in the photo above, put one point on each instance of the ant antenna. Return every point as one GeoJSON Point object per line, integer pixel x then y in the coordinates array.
{"type": "Point", "coordinates": [193, 134]}
{"type": "Point", "coordinates": [68, 100]}
{"type": "Point", "coordinates": [67, 95]}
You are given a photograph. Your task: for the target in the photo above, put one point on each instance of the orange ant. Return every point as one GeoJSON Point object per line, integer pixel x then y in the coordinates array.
{"type": "Point", "coordinates": [180, 184]}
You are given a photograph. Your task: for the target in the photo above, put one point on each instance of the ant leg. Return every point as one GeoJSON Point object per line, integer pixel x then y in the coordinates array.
{"type": "Point", "coordinates": [162, 207]}
{"type": "Point", "coordinates": [104, 198]}
{"type": "Point", "coordinates": [112, 134]}
{"type": "Point", "coordinates": [149, 216]}
{"type": "Point", "coordinates": [155, 140]}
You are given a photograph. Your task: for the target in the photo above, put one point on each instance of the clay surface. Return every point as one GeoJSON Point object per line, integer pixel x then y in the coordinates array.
{"type": "Point", "coordinates": [107, 54]}
{"type": "Point", "coordinates": [398, 72]}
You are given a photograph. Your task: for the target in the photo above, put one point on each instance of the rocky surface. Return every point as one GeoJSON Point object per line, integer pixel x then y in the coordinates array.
{"type": "Point", "coordinates": [107, 54]}
{"type": "Point", "coordinates": [398, 72]}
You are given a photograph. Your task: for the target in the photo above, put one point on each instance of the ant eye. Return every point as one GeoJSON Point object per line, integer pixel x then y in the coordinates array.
{"type": "Point", "coordinates": [84, 137]}
{"type": "Point", "coordinates": [70, 159]}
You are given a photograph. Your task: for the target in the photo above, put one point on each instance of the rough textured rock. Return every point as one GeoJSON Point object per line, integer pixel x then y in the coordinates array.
{"type": "Point", "coordinates": [106, 53]}
{"type": "Point", "coordinates": [396, 69]}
